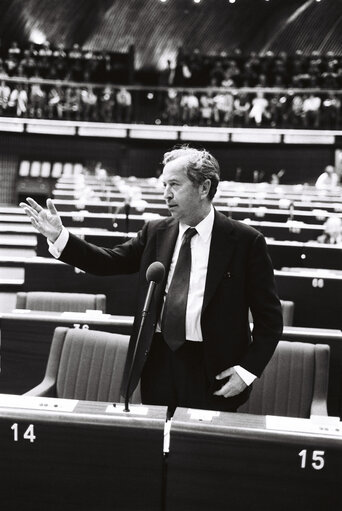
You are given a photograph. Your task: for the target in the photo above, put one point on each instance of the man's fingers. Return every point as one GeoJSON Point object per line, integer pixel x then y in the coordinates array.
{"type": "Point", "coordinates": [225, 373]}
{"type": "Point", "coordinates": [51, 207]}
{"type": "Point", "coordinates": [28, 210]}
{"type": "Point", "coordinates": [34, 204]}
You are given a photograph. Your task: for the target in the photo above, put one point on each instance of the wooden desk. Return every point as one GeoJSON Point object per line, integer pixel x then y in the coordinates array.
{"type": "Point", "coordinates": [83, 455]}
{"type": "Point", "coordinates": [251, 463]}
{"type": "Point", "coordinates": [26, 338]}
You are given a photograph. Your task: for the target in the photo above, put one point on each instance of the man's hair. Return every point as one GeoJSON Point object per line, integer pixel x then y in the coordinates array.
{"type": "Point", "coordinates": [199, 165]}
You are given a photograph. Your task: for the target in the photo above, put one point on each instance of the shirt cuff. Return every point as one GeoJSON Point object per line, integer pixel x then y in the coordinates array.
{"type": "Point", "coordinates": [247, 377]}
{"type": "Point", "coordinates": [59, 245]}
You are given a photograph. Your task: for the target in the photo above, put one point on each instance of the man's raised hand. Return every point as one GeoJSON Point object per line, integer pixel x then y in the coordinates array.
{"type": "Point", "coordinates": [46, 221]}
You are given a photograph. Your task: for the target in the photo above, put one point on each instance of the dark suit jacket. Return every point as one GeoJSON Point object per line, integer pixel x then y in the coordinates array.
{"type": "Point", "coordinates": [239, 277]}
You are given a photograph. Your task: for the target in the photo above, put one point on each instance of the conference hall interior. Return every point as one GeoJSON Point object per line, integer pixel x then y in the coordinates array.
{"type": "Point", "coordinates": [92, 95]}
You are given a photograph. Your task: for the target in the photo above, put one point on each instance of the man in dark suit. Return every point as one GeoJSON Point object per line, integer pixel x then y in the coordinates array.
{"type": "Point", "coordinates": [217, 357]}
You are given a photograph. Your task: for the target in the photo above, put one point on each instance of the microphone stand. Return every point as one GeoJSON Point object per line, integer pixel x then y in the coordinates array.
{"type": "Point", "coordinates": [127, 208]}
{"type": "Point", "coordinates": [143, 318]}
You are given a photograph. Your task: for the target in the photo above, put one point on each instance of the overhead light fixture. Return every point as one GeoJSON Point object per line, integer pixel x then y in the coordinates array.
{"type": "Point", "coordinates": [232, 1]}
{"type": "Point", "coordinates": [197, 1]}
{"type": "Point", "coordinates": [37, 37]}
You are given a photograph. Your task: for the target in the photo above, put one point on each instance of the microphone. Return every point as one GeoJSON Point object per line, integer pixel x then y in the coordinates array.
{"type": "Point", "coordinates": [154, 274]}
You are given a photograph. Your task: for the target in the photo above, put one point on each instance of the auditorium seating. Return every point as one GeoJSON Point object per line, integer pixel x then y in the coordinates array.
{"type": "Point", "coordinates": [294, 383]}
{"type": "Point", "coordinates": [85, 364]}
{"type": "Point", "coordinates": [60, 302]}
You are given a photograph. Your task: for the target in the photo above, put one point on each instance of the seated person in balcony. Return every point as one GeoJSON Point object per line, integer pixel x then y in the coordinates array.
{"type": "Point", "coordinates": [88, 104]}
{"type": "Point", "coordinates": [37, 99]}
{"type": "Point", "coordinates": [296, 111]}
{"type": "Point", "coordinates": [206, 109]}
{"type": "Point", "coordinates": [123, 105]}
{"type": "Point", "coordinates": [171, 113]}
{"type": "Point", "coordinates": [332, 231]}
{"type": "Point", "coordinates": [259, 111]}
{"type": "Point", "coordinates": [55, 102]}
{"type": "Point", "coordinates": [223, 108]}
{"type": "Point", "coordinates": [328, 179]}
{"type": "Point", "coordinates": [189, 107]}
{"type": "Point", "coordinates": [72, 103]}
{"type": "Point", "coordinates": [17, 102]}
{"type": "Point", "coordinates": [241, 110]}
{"type": "Point", "coordinates": [5, 93]}
{"type": "Point", "coordinates": [279, 110]}
{"type": "Point", "coordinates": [107, 104]}
{"type": "Point", "coordinates": [331, 106]}
{"type": "Point", "coordinates": [311, 111]}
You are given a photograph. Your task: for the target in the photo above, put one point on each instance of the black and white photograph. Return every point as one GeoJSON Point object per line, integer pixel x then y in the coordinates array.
{"type": "Point", "coordinates": [170, 255]}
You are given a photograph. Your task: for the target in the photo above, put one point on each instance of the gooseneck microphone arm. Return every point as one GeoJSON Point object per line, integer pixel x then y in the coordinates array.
{"type": "Point", "coordinates": [154, 275]}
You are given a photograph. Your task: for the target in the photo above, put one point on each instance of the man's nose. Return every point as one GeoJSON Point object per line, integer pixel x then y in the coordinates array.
{"type": "Point", "coordinates": [167, 192]}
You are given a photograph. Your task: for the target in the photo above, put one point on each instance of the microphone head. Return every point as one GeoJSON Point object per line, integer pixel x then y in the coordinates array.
{"type": "Point", "coordinates": [155, 272]}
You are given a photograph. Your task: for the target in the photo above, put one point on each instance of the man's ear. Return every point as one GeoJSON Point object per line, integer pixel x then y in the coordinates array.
{"type": "Point", "coordinates": [205, 187]}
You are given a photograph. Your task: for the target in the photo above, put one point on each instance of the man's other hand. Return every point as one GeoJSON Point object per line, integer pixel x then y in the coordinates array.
{"type": "Point", "coordinates": [46, 221]}
{"type": "Point", "coordinates": [234, 386]}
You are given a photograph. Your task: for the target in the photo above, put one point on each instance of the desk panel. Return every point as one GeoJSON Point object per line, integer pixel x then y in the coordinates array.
{"type": "Point", "coordinates": [86, 459]}
{"type": "Point", "coordinates": [43, 274]}
{"type": "Point", "coordinates": [243, 464]}
{"type": "Point", "coordinates": [317, 297]}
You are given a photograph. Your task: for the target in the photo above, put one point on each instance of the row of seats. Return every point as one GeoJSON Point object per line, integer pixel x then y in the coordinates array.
{"type": "Point", "coordinates": [46, 169]}
{"type": "Point", "coordinates": [88, 365]}
{"type": "Point", "coordinates": [81, 302]}
{"type": "Point", "coordinates": [305, 364]}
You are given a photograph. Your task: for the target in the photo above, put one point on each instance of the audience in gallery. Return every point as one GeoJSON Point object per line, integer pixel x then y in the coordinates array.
{"type": "Point", "coordinates": [219, 102]}
{"type": "Point", "coordinates": [252, 70]}
{"type": "Point", "coordinates": [74, 65]}
{"type": "Point", "coordinates": [216, 107]}
{"type": "Point", "coordinates": [192, 69]}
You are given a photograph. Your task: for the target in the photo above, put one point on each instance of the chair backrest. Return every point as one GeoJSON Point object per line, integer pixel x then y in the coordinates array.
{"type": "Point", "coordinates": [60, 302]}
{"type": "Point", "coordinates": [88, 364]}
{"type": "Point", "coordinates": [294, 383]}
{"type": "Point", "coordinates": [287, 308]}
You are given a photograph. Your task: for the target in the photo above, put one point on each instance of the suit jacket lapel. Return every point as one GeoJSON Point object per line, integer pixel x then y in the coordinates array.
{"type": "Point", "coordinates": [222, 247]}
{"type": "Point", "coordinates": [166, 240]}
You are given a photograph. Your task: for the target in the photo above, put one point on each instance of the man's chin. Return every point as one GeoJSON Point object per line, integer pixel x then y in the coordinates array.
{"type": "Point", "coordinates": [172, 211]}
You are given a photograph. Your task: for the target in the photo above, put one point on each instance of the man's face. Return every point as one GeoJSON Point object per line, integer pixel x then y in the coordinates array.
{"type": "Point", "coordinates": [186, 201]}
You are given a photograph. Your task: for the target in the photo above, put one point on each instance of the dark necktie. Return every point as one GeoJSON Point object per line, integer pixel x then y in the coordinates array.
{"type": "Point", "coordinates": [173, 320]}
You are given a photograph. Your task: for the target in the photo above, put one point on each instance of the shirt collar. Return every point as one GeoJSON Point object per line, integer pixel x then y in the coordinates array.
{"type": "Point", "coordinates": [204, 228]}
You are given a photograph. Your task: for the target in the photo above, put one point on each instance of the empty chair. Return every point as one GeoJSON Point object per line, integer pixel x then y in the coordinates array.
{"type": "Point", "coordinates": [85, 364]}
{"type": "Point", "coordinates": [294, 383]}
{"type": "Point", "coordinates": [288, 311]}
{"type": "Point", "coordinates": [57, 169]}
{"type": "Point", "coordinates": [60, 302]}
{"type": "Point", "coordinates": [24, 168]}
{"type": "Point", "coordinates": [287, 308]}
{"type": "Point", "coordinates": [35, 168]}
{"type": "Point", "coordinates": [46, 169]}
{"type": "Point", "coordinates": [67, 169]}
{"type": "Point", "coordinates": [78, 169]}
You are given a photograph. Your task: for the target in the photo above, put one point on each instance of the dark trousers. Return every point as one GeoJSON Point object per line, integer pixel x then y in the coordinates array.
{"type": "Point", "coordinates": [179, 378]}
